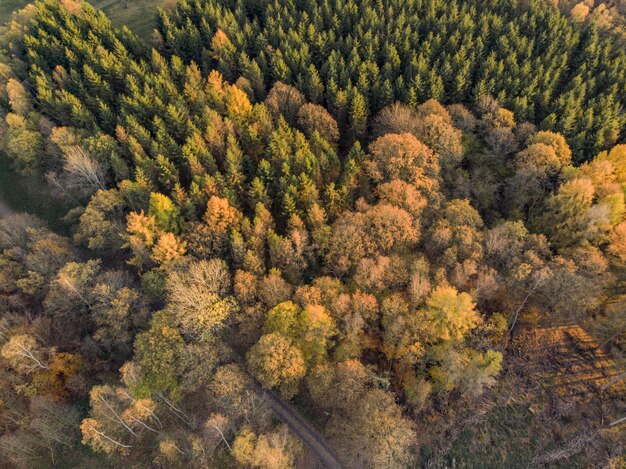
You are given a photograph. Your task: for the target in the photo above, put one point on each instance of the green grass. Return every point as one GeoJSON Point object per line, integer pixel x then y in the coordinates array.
{"type": "Point", "coordinates": [31, 194]}
{"type": "Point", "coordinates": [9, 6]}
{"type": "Point", "coordinates": [138, 15]}
{"type": "Point", "coordinates": [508, 437]}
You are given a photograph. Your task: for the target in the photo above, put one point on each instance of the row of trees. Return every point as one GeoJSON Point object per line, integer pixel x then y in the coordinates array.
{"type": "Point", "coordinates": [369, 266]}
{"type": "Point", "coordinates": [356, 57]}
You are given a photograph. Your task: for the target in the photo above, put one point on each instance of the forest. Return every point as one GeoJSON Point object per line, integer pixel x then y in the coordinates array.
{"type": "Point", "coordinates": [396, 229]}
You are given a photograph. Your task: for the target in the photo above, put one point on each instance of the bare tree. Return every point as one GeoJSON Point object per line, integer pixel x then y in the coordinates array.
{"type": "Point", "coordinates": [83, 173]}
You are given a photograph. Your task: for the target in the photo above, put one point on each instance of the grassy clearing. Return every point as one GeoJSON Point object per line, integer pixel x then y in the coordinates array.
{"type": "Point", "coordinates": [9, 6]}
{"type": "Point", "coordinates": [138, 15]}
{"type": "Point", "coordinates": [508, 436]}
{"type": "Point", "coordinates": [548, 406]}
{"type": "Point", "coordinates": [31, 194]}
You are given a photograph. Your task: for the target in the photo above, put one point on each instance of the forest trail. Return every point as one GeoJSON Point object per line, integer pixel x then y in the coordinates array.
{"type": "Point", "coordinates": [302, 429]}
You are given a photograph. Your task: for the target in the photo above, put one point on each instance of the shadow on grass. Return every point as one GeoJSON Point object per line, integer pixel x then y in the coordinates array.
{"type": "Point", "coordinates": [31, 194]}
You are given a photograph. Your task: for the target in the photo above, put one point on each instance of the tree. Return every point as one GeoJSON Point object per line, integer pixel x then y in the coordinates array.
{"type": "Point", "coordinates": [117, 308]}
{"type": "Point", "coordinates": [419, 286]}
{"type": "Point", "coordinates": [568, 218]}
{"type": "Point", "coordinates": [24, 354]}
{"type": "Point", "coordinates": [221, 219]}
{"type": "Point", "coordinates": [462, 118]}
{"type": "Point", "coordinates": [556, 141]}
{"type": "Point", "coordinates": [166, 214]}
{"type": "Point", "coordinates": [198, 297]}
{"type": "Point", "coordinates": [375, 433]}
{"type": "Point", "coordinates": [457, 235]}
{"type": "Point", "coordinates": [142, 233]}
{"type": "Point", "coordinates": [284, 318]}
{"type": "Point", "coordinates": [273, 289]}
{"type": "Point", "coordinates": [69, 299]}
{"type": "Point", "coordinates": [339, 386]}
{"type": "Point", "coordinates": [433, 126]}
{"type": "Point", "coordinates": [388, 227]}
{"type": "Point", "coordinates": [317, 329]}
{"type": "Point", "coordinates": [617, 157]}
{"type": "Point", "coordinates": [481, 372]}
{"type": "Point", "coordinates": [616, 248]}
{"type": "Point", "coordinates": [396, 118]}
{"type": "Point", "coordinates": [537, 168]}
{"type": "Point", "coordinates": [402, 156]}
{"type": "Point", "coordinates": [402, 334]}
{"type": "Point", "coordinates": [83, 173]}
{"type": "Point", "coordinates": [266, 451]}
{"type": "Point", "coordinates": [16, 230]}
{"type": "Point", "coordinates": [223, 51]}
{"type": "Point", "coordinates": [449, 315]}
{"type": "Point", "coordinates": [313, 118]}
{"type": "Point", "coordinates": [373, 274]}
{"type": "Point", "coordinates": [277, 363]}
{"type": "Point", "coordinates": [358, 116]}
{"type": "Point", "coordinates": [19, 100]}
{"type": "Point", "coordinates": [468, 370]}
{"type": "Point", "coordinates": [55, 424]}
{"type": "Point", "coordinates": [118, 421]}
{"type": "Point", "coordinates": [230, 387]}
{"type": "Point", "coordinates": [101, 224]}
{"type": "Point", "coordinates": [579, 12]}
{"type": "Point", "coordinates": [158, 352]}
{"type": "Point", "coordinates": [62, 376]}
{"type": "Point", "coordinates": [284, 100]}
{"type": "Point", "coordinates": [539, 158]}
{"type": "Point", "coordinates": [24, 145]}
{"type": "Point", "coordinates": [168, 249]}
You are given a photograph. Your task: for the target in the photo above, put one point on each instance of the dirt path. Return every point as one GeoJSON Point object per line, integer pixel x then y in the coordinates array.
{"type": "Point", "coordinates": [304, 430]}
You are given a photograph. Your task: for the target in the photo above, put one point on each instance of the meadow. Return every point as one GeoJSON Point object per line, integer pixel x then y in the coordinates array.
{"type": "Point", "coordinates": [9, 6]}
{"type": "Point", "coordinates": [138, 15]}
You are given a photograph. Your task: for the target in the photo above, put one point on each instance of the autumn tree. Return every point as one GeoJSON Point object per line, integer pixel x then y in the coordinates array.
{"type": "Point", "coordinates": [24, 354]}
{"type": "Point", "coordinates": [569, 217]}
{"type": "Point", "coordinates": [284, 100]}
{"type": "Point", "coordinates": [402, 156]}
{"type": "Point", "coordinates": [314, 118]}
{"type": "Point", "coordinates": [339, 386]}
{"type": "Point", "coordinates": [449, 314]}
{"type": "Point", "coordinates": [118, 421]}
{"type": "Point", "coordinates": [275, 449]}
{"type": "Point", "coordinates": [198, 296]}
{"type": "Point", "coordinates": [165, 213]}
{"type": "Point", "coordinates": [276, 362]}
{"type": "Point", "coordinates": [388, 446]}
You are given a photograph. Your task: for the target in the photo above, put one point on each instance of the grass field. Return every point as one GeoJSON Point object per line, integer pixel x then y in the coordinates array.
{"type": "Point", "coordinates": [9, 6]}
{"type": "Point", "coordinates": [138, 15]}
